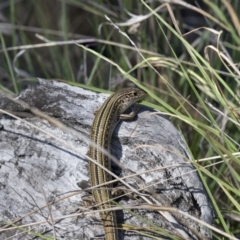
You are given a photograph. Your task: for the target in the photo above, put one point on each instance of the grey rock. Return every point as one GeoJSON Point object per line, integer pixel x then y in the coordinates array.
{"type": "Point", "coordinates": [37, 168]}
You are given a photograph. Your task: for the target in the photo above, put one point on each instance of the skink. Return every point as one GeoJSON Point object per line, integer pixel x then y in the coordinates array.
{"type": "Point", "coordinates": [103, 125]}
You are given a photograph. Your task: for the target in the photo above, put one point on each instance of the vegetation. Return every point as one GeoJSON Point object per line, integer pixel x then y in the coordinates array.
{"type": "Point", "coordinates": [185, 56]}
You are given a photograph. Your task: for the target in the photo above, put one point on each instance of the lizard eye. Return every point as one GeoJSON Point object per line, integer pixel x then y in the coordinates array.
{"type": "Point", "coordinates": [135, 93]}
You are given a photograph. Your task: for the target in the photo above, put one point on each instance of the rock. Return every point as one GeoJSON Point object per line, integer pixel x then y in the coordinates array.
{"type": "Point", "coordinates": [41, 163]}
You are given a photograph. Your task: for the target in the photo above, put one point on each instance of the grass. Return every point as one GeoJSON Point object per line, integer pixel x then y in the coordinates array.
{"type": "Point", "coordinates": [194, 81]}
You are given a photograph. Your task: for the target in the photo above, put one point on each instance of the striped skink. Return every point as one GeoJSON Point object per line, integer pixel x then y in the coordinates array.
{"type": "Point", "coordinates": [103, 125]}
